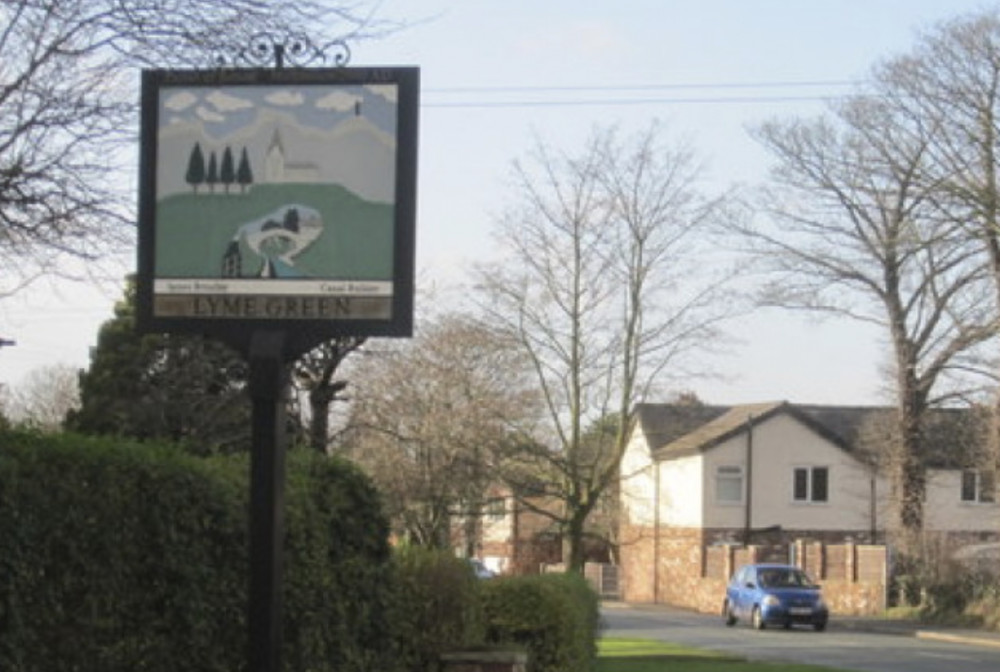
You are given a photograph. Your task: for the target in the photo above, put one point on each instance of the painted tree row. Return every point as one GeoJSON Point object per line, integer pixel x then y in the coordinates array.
{"type": "Point", "coordinates": [215, 172]}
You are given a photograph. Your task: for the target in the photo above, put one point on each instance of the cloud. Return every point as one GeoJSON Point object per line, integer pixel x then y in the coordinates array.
{"type": "Point", "coordinates": [207, 114]}
{"type": "Point", "coordinates": [285, 98]}
{"type": "Point", "coordinates": [180, 101]}
{"type": "Point", "coordinates": [388, 91]}
{"type": "Point", "coordinates": [341, 101]}
{"type": "Point", "coordinates": [224, 102]}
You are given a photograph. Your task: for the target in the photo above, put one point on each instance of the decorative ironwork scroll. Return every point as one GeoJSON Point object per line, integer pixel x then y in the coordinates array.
{"type": "Point", "coordinates": [296, 50]}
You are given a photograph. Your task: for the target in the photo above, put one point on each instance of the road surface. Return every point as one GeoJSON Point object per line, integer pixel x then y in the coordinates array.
{"type": "Point", "coordinates": [848, 648]}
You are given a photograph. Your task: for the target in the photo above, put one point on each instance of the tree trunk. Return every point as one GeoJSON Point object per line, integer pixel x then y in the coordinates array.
{"type": "Point", "coordinates": [319, 420]}
{"type": "Point", "coordinates": [908, 464]}
{"type": "Point", "coordinates": [573, 549]}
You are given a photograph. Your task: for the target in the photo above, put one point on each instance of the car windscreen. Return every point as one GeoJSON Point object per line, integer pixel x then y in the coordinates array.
{"type": "Point", "coordinates": [783, 578]}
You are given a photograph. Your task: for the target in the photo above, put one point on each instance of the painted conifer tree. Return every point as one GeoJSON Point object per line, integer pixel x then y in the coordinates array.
{"type": "Point", "coordinates": [244, 175]}
{"type": "Point", "coordinates": [196, 168]}
{"type": "Point", "coordinates": [212, 176]}
{"type": "Point", "coordinates": [227, 174]}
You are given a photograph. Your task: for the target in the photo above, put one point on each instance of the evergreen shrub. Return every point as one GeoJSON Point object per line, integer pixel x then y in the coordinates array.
{"type": "Point", "coordinates": [118, 556]}
{"type": "Point", "coordinates": [555, 617]}
{"type": "Point", "coordinates": [438, 607]}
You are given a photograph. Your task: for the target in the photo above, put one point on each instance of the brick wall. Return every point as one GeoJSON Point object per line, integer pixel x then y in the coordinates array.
{"type": "Point", "coordinates": [686, 567]}
{"type": "Point", "coordinates": [680, 569]}
{"type": "Point", "coordinates": [636, 557]}
{"type": "Point", "coordinates": [853, 576]}
{"type": "Point", "coordinates": [667, 568]}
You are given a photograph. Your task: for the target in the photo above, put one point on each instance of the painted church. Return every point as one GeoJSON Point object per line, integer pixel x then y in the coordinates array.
{"type": "Point", "coordinates": [279, 170]}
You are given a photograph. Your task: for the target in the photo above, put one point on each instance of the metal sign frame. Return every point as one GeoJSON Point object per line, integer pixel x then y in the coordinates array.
{"type": "Point", "coordinates": [239, 226]}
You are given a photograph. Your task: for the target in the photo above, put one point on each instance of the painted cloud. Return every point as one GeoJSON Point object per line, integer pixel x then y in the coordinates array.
{"type": "Point", "coordinates": [341, 101]}
{"type": "Point", "coordinates": [285, 98]}
{"type": "Point", "coordinates": [180, 101]}
{"type": "Point", "coordinates": [226, 103]}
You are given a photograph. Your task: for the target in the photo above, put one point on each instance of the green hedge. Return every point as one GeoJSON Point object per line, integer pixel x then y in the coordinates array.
{"type": "Point", "coordinates": [122, 556]}
{"type": "Point", "coordinates": [555, 617]}
{"type": "Point", "coordinates": [442, 608]}
{"type": "Point", "coordinates": [438, 607]}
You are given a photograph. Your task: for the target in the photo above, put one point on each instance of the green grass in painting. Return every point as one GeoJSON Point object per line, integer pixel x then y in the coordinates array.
{"type": "Point", "coordinates": [643, 655]}
{"type": "Point", "coordinates": [194, 230]}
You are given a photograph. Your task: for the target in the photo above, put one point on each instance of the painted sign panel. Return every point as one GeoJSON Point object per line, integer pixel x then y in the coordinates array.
{"type": "Point", "coordinates": [278, 197]}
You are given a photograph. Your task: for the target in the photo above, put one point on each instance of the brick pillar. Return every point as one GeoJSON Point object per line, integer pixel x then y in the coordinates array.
{"type": "Point", "coordinates": [800, 554]}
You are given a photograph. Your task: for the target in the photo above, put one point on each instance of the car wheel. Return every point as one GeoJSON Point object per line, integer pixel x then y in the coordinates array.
{"type": "Point", "coordinates": [819, 627]}
{"type": "Point", "coordinates": [727, 612]}
{"type": "Point", "coordinates": [757, 619]}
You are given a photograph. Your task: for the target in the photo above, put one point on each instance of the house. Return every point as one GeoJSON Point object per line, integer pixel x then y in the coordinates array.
{"type": "Point", "coordinates": [510, 535]}
{"type": "Point", "coordinates": [519, 534]}
{"type": "Point", "coordinates": [696, 477]}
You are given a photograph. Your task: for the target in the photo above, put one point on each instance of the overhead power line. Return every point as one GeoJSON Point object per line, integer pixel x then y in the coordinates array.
{"type": "Point", "coordinates": [552, 96]}
{"type": "Point", "coordinates": [643, 87]}
{"type": "Point", "coordinates": [628, 101]}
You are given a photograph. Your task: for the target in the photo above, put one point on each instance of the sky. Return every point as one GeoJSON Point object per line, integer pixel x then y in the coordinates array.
{"type": "Point", "coordinates": [497, 75]}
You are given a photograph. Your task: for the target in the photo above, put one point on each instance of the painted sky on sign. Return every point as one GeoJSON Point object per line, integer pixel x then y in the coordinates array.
{"type": "Point", "coordinates": [222, 112]}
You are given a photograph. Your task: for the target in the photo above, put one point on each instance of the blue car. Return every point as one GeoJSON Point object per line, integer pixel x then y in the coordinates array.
{"type": "Point", "coordinates": [774, 594]}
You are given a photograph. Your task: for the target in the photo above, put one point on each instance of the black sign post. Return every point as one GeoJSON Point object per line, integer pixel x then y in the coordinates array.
{"type": "Point", "coordinates": [276, 212]}
{"type": "Point", "coordinates": [268, 386]}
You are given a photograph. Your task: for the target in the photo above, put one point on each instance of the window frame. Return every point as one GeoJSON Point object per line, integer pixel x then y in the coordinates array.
{"type": "Point", "coordinates": [495, 509]}
{"type": "Point", "coordinates": [968, 487]}
{"type": "Point", "coordinates": [813, 483]}
{"type": "Point", "coordinates": [736, 472]}
{"type": "Point", "coordinates": [977, 486]}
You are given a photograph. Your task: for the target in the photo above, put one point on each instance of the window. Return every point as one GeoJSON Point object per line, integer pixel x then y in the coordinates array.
{"type": "Point", "coordinates": [496, 508]}
{"type": "Point", "coordinates": [820, 479]}
{"type": "Point", "coordinates": [978, 486]}
{"type": "Point", "coordinates": [729, 484]}
{"type": "Point", "coordinates": [969, 479]}
{"type": "Point", "coordinates": [811, 484]}
{"type": "Point", "coordinates": [801, 486]}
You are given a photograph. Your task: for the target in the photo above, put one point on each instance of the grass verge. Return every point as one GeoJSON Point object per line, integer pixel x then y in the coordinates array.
{"type": "Point", "coordinates": [644, 655]}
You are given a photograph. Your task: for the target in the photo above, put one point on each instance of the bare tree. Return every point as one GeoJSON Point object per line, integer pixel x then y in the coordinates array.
{"type": "Point", "coordinates": [951, 80]}
{"type": "Point", "coordinates": [316, 375]}
{"type": "Point", "coordinates": [852, 227]}
{"type": "Point", "coordinates": [68, 100]}
{"type": "Point", "coordinates": [600, 287]}
{"type": "Point", "coordinates": [45, 396]}
{"type": "Point", "coordinates": [427, 419]}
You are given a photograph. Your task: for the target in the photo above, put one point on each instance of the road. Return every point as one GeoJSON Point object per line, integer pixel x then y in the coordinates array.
{"type": "Point", "coordinates": [839, 647]}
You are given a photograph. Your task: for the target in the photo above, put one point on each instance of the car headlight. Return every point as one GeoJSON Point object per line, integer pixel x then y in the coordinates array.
{"type": "Point", "coordinates": [820, 604]}
{"type": "Point", "coordinates": [771, 601]}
